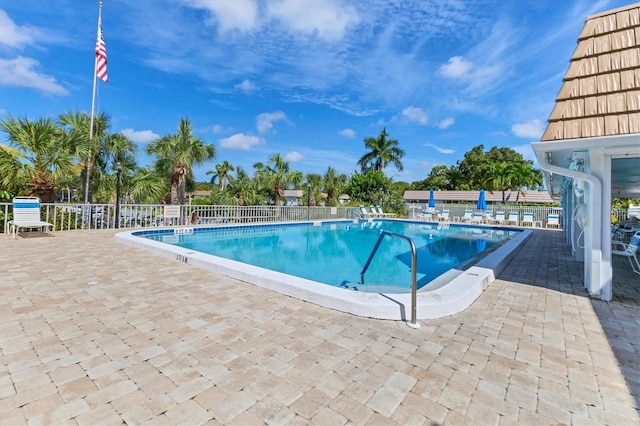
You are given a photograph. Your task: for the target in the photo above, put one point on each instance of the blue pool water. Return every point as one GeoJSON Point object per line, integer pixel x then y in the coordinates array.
{"type": "Point", "coordinates": [334, 253]}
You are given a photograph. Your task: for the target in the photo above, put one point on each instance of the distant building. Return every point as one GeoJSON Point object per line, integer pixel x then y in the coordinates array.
{"type": "Point", "coordinates": [294, 197]}
{"type": "Point", "coordinates": [529, 197]}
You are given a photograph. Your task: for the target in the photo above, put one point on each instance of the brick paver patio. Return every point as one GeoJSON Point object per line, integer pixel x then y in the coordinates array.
{"type": "Point", "coordinates": [96, 332]}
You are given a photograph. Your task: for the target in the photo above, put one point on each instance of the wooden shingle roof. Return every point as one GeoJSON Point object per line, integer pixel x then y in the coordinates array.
{"type": "Point", "coordinates": [600, 94]}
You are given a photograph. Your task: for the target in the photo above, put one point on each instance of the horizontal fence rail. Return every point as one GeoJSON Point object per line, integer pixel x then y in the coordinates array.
{"type": "Point", "coordinates": [67, 216]}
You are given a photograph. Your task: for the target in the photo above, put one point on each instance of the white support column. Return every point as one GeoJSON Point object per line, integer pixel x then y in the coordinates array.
{"type": "Point", "coordinates": [606, 267]}
{"type": "Point", "coordinates": [593, 230]}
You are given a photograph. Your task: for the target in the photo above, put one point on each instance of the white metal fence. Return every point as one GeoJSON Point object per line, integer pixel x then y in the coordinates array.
{"type": "Point", "coordinates": [67, 216]}
{"type": "Point", "coordinates": [103, 216]}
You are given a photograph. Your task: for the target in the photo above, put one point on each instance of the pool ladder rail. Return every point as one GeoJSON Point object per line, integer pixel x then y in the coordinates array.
{"type": "Point", "coordinates": [414, 286]}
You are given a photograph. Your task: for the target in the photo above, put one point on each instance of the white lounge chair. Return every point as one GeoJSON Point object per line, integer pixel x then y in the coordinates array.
{"type": "Point", "coordinates": [444, 216]}
{"type": "Point", "coordinates": [527, 219]}
{"type": "Point", "coordinates": [499, 218]}
{"type": "Point", "coordinates": [478, 217]}
{"type": "Point", "coordinates": [468, 215]}
{"type": "Point", "coordinates": [553, 221]}
{"type": "Point", "coordinates": [512, 219]}
{"type": "Point", "coordinates": [630, 251]}
{"type": "Point", "coordinates": [26, 215]}
{"type": "Point", "coordinates": [366, 213]}
{"type": "Point", "coordinates": [381, 212]}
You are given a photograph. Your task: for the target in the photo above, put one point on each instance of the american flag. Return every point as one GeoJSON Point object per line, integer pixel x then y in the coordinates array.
{"type": "Point", "coordinates": [101, 56]}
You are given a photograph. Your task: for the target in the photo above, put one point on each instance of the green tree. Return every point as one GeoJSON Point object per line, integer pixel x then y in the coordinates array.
{"type": "Point", "coordinates": [41, 156]}
{"type": "Point", "coordinates": [334, 184]}
{"type": "Point", "coordinates": [314, 183]}
{"type": "Point", "coordinates": [177, 154]}
{"type": "Point", "coordinates": [382, 152]}
{"type": "Point", "coordinates": [277, 176]}
{"type": "Point", "coordinates": [499, 177]}
{"type": "Point", "coordinates": [147, 186]}
{"type": "Point", "coordinates": [524, 175]}
{"type": "Point", "coordinates": [221, 173]}
{"type": "Point", "coordinates": [244, 189]}
{"type": "Point", "coordinates": [372, 187]}
{"type": "Point", "coordinates": [97, 152]}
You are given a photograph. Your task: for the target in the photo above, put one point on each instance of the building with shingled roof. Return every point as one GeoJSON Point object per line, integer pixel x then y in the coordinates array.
{"type": "Point", "coordinates": [590, 151]}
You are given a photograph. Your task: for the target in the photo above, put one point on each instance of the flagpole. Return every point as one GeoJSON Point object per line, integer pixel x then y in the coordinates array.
{"type": "Point", "coordinates": [93, 105]}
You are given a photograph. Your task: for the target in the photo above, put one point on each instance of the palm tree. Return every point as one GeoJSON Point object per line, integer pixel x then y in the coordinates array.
{"type": "Point", "coordinates": [244, 189]}
{"type": "Point", "coordinates": [41, 155]}
{"type": "Point", "coordinates": [333, 185]}
{"type": "Point", "coordinates": [382, 152]}
{"type": "Point", "coordinates": [314, 183]}
{"type": "Point", "coordinates": [95, 160]}
{"type": "Point", "coordinates": [499, 178]}
{"type": "Point", "coordinates": [525, 176]}
{"type": "Point", "coordinates": [221, 173]}
{"type": "Point", "coordinates": [146, 185]}
{"type": "Point", "coordinates": [277, 176]}
{"type": "Point", "coordinates": [177, 154]}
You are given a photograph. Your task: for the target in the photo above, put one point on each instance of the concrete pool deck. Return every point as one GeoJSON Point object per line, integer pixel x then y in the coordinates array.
{"type": "Point", "coordinates": [96, 332]}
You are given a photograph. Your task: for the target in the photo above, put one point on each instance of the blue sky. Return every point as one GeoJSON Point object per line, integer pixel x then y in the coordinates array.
{"type": "Point", "coordinates": [307, 79]}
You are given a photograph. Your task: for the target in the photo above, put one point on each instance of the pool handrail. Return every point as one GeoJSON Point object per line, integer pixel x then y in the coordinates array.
{"type": "Point", "coordinates": [414, 285]}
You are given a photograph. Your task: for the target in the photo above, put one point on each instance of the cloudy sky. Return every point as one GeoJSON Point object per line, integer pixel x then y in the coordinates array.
{"type": "Point", "coordinates": [308, 79]}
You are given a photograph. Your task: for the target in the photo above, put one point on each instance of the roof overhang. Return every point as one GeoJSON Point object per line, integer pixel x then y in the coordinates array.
{"type": "Point", "coordinates": [554, 157]}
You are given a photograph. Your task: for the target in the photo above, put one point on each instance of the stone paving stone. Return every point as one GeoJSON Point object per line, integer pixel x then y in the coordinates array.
{"type": "Point", "coordinates": [102, 415]}
{"type": "Point", "coordinates": [188, 412]}
{"type": "Point", "coordinates": [534, 348]}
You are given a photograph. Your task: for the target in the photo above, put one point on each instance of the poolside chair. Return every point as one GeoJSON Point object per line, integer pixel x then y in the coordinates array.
{"type": "Point", "coordinates": [512, 219]}
{"type": "Point", "coordinates": [26, 215]}
{"type": "Point", "coordinates": [468, 215]}
{"type": "Point", "coordinates": [553, 221]}
{"type": "Point", "coordinates": [499, 218]}
{"type": "Point", "coordinates": [478, 217]}
{"type": "Point", "coordinates": [380, 212]}
{"type": "Point", "coordinates": [527, 219]}
{"type": "Point", "coordinates": [365, 212]}
{"type": "Point", "coordinates": [630, 251]}
{"type": "Point", "coordinates": [443, 216]}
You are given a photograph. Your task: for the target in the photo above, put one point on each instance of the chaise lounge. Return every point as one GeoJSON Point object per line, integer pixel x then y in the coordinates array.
{"type": "Point", "coordinates": [26, 215]}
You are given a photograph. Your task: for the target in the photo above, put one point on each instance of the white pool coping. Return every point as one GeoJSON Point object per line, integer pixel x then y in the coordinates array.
{"type": "Point", "coordinates": [447, 299]}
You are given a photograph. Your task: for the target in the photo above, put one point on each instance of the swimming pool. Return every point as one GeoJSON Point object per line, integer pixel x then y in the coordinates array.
{"type": "Point", "coordinates": [298, 258]}
{"type": "Point", "coordinates": [334, 253]}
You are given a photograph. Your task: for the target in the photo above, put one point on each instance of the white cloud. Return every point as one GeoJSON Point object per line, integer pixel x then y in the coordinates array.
{"type": "Point", "coordinates": [139, 136]}
{"type": "Point", "coordinates": [239, 15]}
{"type": "Point", "coordinates": [13, 35]}
{"type": "Point", "coordinates": [440, 149]}
{"type": "Point", "coordinates": [349, 133]}
{"type": "Point", "coordinates": [20, 72]}
{"type": "Point", "coordinates": [264, 121]}
{"type": "Point", "coordinates": [241, 141]}
{"type": "Point", "coordinates": [247, 86]}
{"type": "Point", "coordinates": [457, 68]}
{"type": "Point", "coordinates": [447, 122]}
{"type": "Point", "coordinates": [415, 115]}
{"type": "Point", "coordinates": [531, 129]}
{"type": "Point", "coordinates": [479, 78]}
{"type": "Point", "coordinates": [328, 19]}
{"type": "Point", "coordinates": [3, 111]}
{"type": "Point", "coordinates": [293, 156]}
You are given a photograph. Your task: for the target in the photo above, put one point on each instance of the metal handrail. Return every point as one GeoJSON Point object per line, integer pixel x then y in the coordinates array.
{"type": "Point", "coordinates": [355, 212]}
{"type": "Point", "coordinates": [414, 285]}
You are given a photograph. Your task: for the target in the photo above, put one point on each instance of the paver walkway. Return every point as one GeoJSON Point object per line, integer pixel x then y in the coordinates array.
{"type": "Point", "coordinates": [96, 332]}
